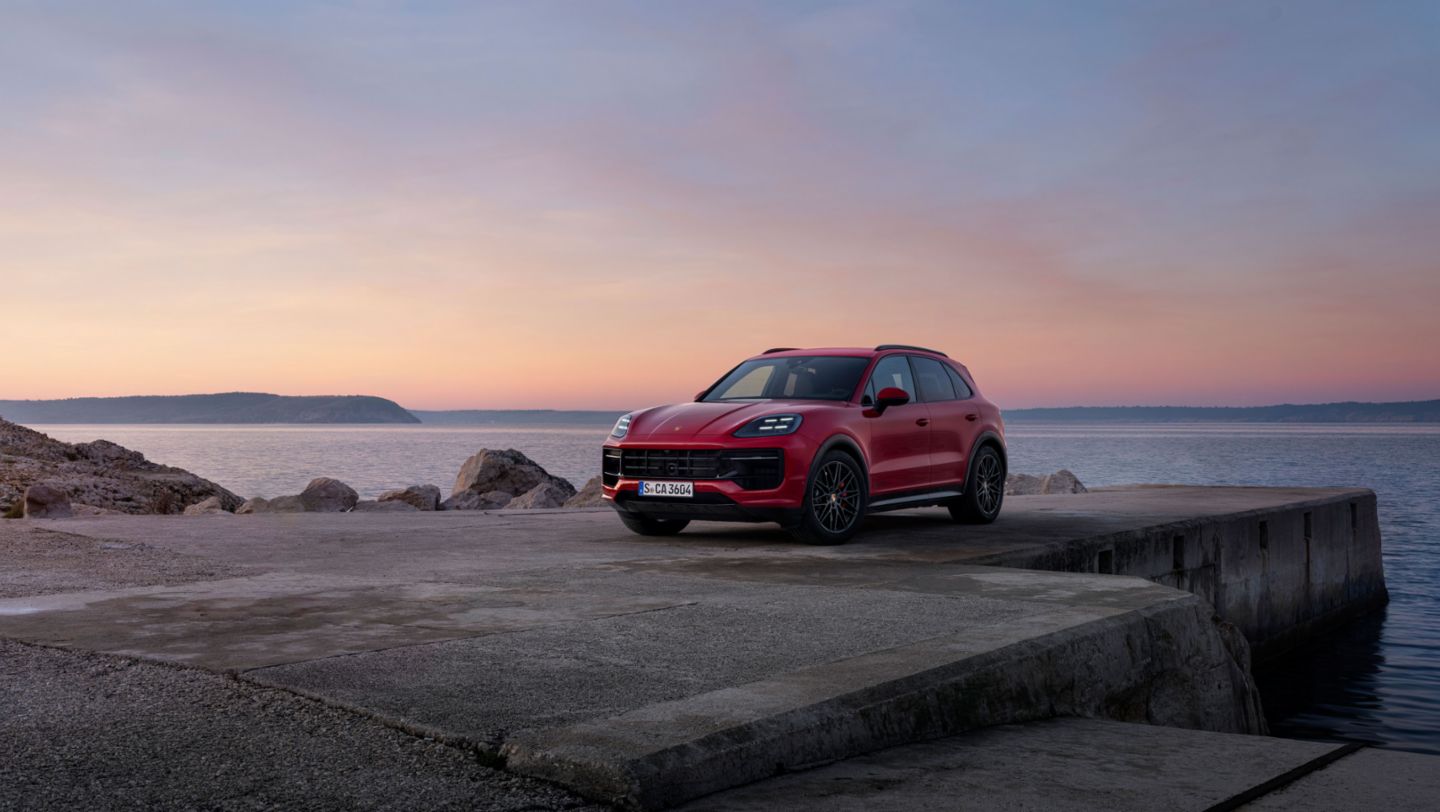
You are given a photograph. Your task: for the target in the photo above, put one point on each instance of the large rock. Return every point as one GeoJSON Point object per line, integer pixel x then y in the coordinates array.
{"type": "Point", "coordinates": [100, 474]}
{"type": "Point", "coordinates": [1022, 485]}
{"type": "Point", "coordinates": [206, 507]}
{"type": "Point", "coordinates": [1061, 481]}
{"type": "Point", "coordinates": [256, 504]}
{"type": "Point", "coordinates": [544, 495]}
{"type": "Point", "coordinates": [326, 495]}
{"type": "Point", "coordinates": [506, 471]}
{"type": "Point", "coordinates": [376, 506]}
{"type": "Point", "coordinates": [420, 497]}
{"type": "Point", "coordinates": [591, 495]}
{"type": "Point", "coordinates": [470, 500]}
{"type": "Point", "coordinates": [284, 504]}
{"type": "Point", "coordinates": [44, 501]}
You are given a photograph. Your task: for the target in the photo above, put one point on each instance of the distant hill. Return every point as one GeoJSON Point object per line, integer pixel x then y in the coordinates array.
{"type": "Point", "coordinates": [1419, 411]}
{"type": "Point", "coordinates": [517, 417]}
{"type": "Point", "coordinates": [230, 407]}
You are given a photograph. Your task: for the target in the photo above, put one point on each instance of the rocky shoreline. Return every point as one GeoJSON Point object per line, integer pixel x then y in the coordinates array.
{"type": "Point", "coordinates": [64, 479]}
{"type": "Point", "coordinates": [41, 477]}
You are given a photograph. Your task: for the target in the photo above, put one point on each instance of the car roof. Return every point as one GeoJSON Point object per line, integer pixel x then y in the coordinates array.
{"type": "Point", "coordinates": [862, 352]}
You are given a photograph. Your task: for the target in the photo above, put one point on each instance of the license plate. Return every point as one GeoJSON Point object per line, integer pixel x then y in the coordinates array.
{"type": "Point", "coordinates": [681, 489]}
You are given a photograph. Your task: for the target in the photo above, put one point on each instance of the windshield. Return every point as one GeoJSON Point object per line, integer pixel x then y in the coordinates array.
{"type": "Point", "coordinates": [822, 377]}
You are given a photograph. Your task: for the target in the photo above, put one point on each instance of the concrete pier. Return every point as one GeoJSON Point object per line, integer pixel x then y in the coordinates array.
{"type": "Point", "coordinates": [1281, 564]}
{"type": "Point", "coordinates": [647, 672]}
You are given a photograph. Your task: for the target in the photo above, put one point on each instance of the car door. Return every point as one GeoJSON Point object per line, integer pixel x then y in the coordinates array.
{"type": "Point", "coordinates": [900, 436]}
{"type": "Point", "coordinates": [951, 434]}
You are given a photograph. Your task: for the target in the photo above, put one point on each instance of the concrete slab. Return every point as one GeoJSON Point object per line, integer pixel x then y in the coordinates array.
{"type": "Point", "coordinates": [1368, 779]}
{"type": "Point", "coordinates": [81, 731]}
{"type": "Point", "coordinates": [1085, 765]}
{"type": "Point", "coordinates": [647, 671]}
{"type": "Point", "coordinates": [346, 543]}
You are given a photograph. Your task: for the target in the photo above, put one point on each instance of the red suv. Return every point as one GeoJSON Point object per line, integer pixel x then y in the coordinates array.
{"type": "Point", "coordinates": [815, 440]}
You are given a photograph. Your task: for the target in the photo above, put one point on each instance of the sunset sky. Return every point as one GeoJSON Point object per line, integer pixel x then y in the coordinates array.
{"type": "Point", "coordinates": [605, 204]}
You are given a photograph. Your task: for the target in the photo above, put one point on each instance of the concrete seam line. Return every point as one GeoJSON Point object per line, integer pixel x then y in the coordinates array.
{"type": "Point", "coordinates": [1285, 779]}
{"type": "Point", "coordinates": [487, 755]}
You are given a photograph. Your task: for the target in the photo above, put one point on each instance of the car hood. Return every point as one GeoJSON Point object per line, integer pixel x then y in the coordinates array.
{"type": "Point", "coordinates": [686, 420]}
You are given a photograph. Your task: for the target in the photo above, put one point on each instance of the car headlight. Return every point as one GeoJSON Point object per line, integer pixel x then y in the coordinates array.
{"type": "Point", "coordinates": [622, 427]}
{"type": "Point", "coordinates": [771, 426]}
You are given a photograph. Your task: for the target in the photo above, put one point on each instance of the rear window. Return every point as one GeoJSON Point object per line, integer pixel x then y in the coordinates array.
{"type": "Point", "coordinates": [819, 377]}
{"type": "Point", "coordinates": [962, 389]}
{"type": "Point", "coordinates": [934, 384]}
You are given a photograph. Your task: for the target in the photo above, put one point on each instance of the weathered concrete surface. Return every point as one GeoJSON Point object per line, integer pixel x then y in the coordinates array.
{"type": "Point", "coordinates": [1083, 765]}
{"type": "Point", "coordinates": [1091, 765]}
{"type": "Point", "coordinates": [647, 671]}
{"type": "Point", "coordinates": [1277, 570]}
{"type": "Point", "coordinates": [81, 731]}
{"type": "Point", "coordinates": [1368, 779]}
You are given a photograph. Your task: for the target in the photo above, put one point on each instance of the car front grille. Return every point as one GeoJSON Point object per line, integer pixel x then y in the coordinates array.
{"type": "Point", "coordinates": [752, 469]}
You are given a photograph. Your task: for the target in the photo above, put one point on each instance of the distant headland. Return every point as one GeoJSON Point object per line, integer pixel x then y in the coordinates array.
{"type": "Point", "coordinates": [1416, 411]}
{"type": "Point", "coordinates": [228, 407]}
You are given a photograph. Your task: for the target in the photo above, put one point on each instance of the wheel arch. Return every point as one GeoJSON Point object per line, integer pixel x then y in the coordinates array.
{"type": "Point", "coordinates": [992, 439]}
{"type": "Point", "coordinates": [847, 444]}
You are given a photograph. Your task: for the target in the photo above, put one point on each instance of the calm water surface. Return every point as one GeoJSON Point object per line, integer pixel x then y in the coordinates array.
{"type": "Point", "coordinates": [1378, 680]}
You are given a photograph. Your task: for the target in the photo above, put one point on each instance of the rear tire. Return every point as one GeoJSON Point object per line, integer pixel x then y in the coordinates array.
{"type": "Point", "coordinates": [984, 489]}
{"type": "Point", "coordinates": [646, 526]}
{"type": "Point", "coordinates": [835, 499]}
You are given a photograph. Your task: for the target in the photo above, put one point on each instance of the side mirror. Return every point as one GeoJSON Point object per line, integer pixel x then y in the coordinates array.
{"type": "Point", "coordinates": [890, 396]}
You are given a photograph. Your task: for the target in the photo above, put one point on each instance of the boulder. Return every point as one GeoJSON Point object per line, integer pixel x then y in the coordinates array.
{"type": "Point", "coordinates": [285, 504]}
{"type": "Point", "coordinates": [470, 500]}
{"type": "Point", "coordinates": [43, 501]}
{"type": "Point", "coordinates": [1022, 485]}
{"type": "Point", "coordinates": [544, 495]}
{"type": "Point", "coordinates": [257, 504]}
{"type": "Point", "coordinates": [376, 506]}
{"type": "Point", "coordinates": [590, 495]}
{"type": "Point", "coordinates": [506, 471]}
{"type": "Point", "coordinates": [420, 497]}
{"type": "Point", "coordinates": [326, 495]}
{"type": "Point", "coordinates": [1061, 481]}
{"type": "Point", "coordinates": [206, 507]}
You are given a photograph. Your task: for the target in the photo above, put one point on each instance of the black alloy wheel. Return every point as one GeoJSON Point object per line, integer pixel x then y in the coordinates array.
{"type": "Point", "coordinates": [985, 491]}
{"type": "Point", "coordinates": [834, 501]}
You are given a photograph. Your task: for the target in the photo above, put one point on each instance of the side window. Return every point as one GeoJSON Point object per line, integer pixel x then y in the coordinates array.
{"type": "Point", "coordinates": [892, 370]}
{"type": "Point", "coordinates": [962, 389]}
{"type": "Point", "coordinates": [934, 384]}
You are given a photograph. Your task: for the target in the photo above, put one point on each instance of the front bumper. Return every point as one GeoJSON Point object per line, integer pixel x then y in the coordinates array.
{"type": "Point", "coordinates": [738, 499]}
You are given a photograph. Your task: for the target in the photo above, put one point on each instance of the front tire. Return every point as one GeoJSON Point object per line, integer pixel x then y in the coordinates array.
{"type": "Point", "coordinates": [835, 499]}
{"type": "Point", "coordinates": [984, 490]}
{"type": "Point", "coordinates": [646, 526]}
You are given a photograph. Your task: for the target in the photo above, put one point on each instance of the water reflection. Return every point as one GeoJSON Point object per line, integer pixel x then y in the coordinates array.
{"type": "Point", "coordinates": [1329, 688]}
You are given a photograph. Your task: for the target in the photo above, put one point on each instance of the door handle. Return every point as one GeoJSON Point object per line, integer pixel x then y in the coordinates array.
{"type": "Point", "coordinates": [924, 421]}
{"type": "Point", "coordinates": [972, 416]}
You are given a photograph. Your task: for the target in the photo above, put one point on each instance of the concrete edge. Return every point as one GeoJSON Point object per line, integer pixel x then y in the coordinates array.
{"type": "Point", "coordinates": [1114, 664]}
{"type": "Point", "coordinates": [1016, 559]}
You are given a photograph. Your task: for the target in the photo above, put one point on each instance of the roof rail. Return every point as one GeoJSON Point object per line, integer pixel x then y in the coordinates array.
{"type": "Point", "coordinates": [908, 347]}
{"type": "Point", "coordinates": [779, 349]}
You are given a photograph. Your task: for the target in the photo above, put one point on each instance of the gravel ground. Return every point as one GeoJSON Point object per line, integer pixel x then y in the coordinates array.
{"type": "Point", "coordinates": [38, 560]}
{"type": "Point", "coordinates": [89, 731]}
